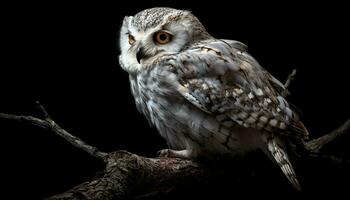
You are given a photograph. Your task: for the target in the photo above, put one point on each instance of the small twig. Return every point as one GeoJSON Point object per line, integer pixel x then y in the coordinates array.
{"type": "Point", "coordinates": [77, 142]}
{"type": "Point", "coordinates": [316, 144]}
{"type": "Point", "coordinates": [291, 77]}
{"type": "Point", "coordinates": [43, 111]}
{"type": "Point", "coordinates": [49, 124]}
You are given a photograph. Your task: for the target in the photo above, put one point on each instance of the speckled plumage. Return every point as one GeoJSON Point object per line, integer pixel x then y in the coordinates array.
{"type": "Point", "coordinates": [151, 17]}
{"type": "Point", "coordinates": [206, 96]}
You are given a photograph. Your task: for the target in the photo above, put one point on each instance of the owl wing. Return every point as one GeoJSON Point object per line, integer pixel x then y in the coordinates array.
{"type": "Point", "coordinates": [221, 78]}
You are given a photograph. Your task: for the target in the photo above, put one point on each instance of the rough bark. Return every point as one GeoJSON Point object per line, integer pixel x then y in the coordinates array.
{"type": "Point", "coordinates": [131, 176]}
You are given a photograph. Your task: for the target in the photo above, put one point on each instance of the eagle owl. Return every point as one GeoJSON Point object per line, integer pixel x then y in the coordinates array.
{"type": "Point", "coordinates": [206, 96]}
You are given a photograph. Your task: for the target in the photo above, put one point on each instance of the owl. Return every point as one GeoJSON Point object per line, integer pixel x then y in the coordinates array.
{"type": "Point", "coordinates": [207, 97]}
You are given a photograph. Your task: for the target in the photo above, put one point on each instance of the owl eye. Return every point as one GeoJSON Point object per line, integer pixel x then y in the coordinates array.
{"type": "Point", "coordinates": [131, 39]}
{"type": "Point", "coordinates": [162, 37]}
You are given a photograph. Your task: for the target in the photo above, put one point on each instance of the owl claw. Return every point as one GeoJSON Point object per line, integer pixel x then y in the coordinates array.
{"type": "Point", "coordinates": [164, 153]}
{"type": "Point", "coordinates": [169, 153]}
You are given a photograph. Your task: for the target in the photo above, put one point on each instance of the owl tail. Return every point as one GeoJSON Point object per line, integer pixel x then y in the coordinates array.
{"type": "Point", "coordinates": [280, 156]}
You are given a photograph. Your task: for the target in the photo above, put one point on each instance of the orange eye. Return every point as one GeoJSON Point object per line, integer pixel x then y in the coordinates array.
{"type": "Point", "coordinates": [131, 39]}
{"type": "Point", "coordinates": [162, 37]}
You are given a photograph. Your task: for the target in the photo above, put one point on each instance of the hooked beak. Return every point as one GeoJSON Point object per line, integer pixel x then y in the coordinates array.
{"type": "Point", "coordinates": [140, 54]}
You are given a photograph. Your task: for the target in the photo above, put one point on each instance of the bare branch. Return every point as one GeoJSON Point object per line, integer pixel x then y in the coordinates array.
{"type": "Point", "coordinates": [49, 124]}
{"type": "Point", "coordinates": [317, 144]}
{"type": "Point", "coordinates": [131, 176]}
{"type": "Point", "coordinates": [77, 142]}
{"type": "Point", "coordinates": [43, 111]}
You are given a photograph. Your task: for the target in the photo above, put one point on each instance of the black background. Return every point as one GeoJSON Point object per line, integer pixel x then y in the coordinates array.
{"type": "Point", "coordinates": [59, 54]}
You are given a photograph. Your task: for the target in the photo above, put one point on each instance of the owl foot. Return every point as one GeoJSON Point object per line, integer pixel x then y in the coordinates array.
{"type": "Point", "coordinates": [169, 153]}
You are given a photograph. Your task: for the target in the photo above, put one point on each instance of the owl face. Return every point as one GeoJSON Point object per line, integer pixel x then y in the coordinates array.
{"type": "Point", "coordinates": [156, 32]}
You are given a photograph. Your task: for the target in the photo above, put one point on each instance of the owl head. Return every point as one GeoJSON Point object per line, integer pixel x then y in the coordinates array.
{"type": "Point", "coordinates": [154, 32]}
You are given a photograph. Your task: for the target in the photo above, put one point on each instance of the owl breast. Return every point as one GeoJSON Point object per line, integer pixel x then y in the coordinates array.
{"type": "Point", "coordinates": [181, 124]}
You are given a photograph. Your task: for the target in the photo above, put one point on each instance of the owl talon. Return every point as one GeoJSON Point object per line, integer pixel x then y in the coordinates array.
{"type": "Point", "coordinates": [164, 153]}
{"type": "Point", "coordinates": [169, 153]}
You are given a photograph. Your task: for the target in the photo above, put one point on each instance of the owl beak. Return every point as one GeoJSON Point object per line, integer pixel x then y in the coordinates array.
{"type": "Point", "coordinates": [140, 54]}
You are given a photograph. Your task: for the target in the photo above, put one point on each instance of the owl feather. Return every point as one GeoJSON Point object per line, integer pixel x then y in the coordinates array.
{"type": "Point", "coordinates": [244, 92]}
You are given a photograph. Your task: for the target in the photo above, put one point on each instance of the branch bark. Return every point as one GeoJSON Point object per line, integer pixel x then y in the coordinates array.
{"type": "Point", "coordinates": [317, 144]}
{"type": "Point", "coordinates": [131, 176]}
{"type": "Point", "coordinates": [290, 78]}
{"type": "Point", "coordinates": [127, 175]}
{"type": "Point", "coordinates": [49, 124]}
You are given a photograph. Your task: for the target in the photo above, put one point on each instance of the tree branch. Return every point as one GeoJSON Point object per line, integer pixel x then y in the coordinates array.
{"type": "Point", "coordinates": [131, 176]}
{"type": "Point", "coordinates": [51, 125]}
{"type": "Point", "coordinates": [317, 144]}
{"type": "Point", "coordinates": [128, 175]}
